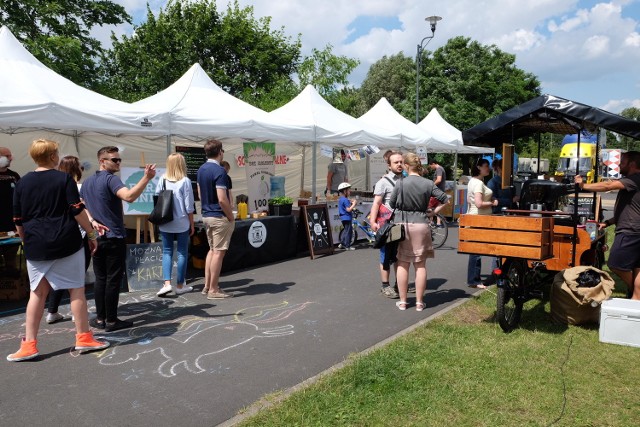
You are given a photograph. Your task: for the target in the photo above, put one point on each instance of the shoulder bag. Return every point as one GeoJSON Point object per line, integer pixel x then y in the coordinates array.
{"type": "Point", "coordinates": [162, 212]}
{"type": "Point", "coordinates": [389, 232]}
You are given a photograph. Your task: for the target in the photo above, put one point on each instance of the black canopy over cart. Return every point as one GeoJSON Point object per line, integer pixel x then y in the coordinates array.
{"type": "Point", "coordinates": [534, 244]}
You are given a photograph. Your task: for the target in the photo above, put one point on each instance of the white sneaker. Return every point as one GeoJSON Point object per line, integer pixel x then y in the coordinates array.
{"type": "Point", "coordinates": [54, 317]}
{"type": "Point", "coordinates": [165, 290]}
{"type": "Point", "coordinates": [183, 290]}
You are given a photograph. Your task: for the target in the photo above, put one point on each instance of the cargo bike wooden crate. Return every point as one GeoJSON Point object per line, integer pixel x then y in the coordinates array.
{"type": "Point", "coordinates": [530, 250]}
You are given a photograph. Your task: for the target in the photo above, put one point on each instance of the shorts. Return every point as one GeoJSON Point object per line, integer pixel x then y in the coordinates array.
{"type": "Point", "coordinates": [219, 231]}
{"type": "Point", "coordinates": [625, 252]}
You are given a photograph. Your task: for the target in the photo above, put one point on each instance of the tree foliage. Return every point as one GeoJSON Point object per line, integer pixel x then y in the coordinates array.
{"type": "Point", "coordinates": [57, 32]}
{"type": "Point", "coordinates": [470, 83]}
{"type": "Point", "coordinates": [242, 54]}
{"type": "Point", "coordinates": [392, 77]}
{"type": "Point", "coordinates": [624, 141]}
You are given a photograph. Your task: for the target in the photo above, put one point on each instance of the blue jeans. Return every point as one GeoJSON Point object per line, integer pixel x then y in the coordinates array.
{"type": "Point", "coordinates": [473, 269]}
{"type": "Point", "coordinates": [346, 234]}
{"type": "Point", "coordinates": [167, 255]}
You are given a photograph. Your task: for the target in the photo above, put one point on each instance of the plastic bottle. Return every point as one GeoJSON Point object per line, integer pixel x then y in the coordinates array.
{"type": "Point", "coordinates": [592, 228]}
{"type": "Point", "coordinates": [243, 210]}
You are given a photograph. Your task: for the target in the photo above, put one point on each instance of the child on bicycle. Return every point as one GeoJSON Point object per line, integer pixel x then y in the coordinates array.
{"type": "Point", "coordinates": [345, 206]}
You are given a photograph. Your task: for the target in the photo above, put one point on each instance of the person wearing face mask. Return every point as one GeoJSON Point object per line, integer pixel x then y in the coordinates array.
{"type": "Point", "coordinates": [8, 181]}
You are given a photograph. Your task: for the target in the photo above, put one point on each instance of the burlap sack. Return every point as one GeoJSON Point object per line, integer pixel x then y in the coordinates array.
{"type": "Point", "coordinates": [571, 304]}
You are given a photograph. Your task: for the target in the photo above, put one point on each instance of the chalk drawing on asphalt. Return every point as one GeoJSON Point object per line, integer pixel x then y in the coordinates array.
{"type": "Point", "coordinates": [166, 344]}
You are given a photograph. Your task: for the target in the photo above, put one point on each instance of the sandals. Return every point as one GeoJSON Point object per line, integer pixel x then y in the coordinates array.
{"type": "Point", "coordinates": [420, 306]}
{"type": "Point", "coordinates": [402, 305]}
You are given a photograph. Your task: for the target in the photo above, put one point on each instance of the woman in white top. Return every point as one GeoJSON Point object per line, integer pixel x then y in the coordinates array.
{"type": "Point", "coordinates": [480, 203]}
{"type": "Point", "coordinates": [181, 228]}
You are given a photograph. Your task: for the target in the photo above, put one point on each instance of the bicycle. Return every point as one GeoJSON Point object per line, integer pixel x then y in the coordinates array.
{"type": "Point", "coordinates": [364, 226]}
{"type": "Point", "coordinates": [439, 232]}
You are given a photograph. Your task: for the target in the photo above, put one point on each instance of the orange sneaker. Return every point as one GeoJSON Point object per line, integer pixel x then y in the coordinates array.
{"type": "Point", "coordinates": [27, 351]}
{"type": "Point", "coordinates": [85, 343]}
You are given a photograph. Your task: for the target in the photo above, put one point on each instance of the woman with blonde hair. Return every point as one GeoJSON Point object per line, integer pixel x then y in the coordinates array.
{"type": "Point", "coordinates": [47, 210]}
{"type": "Point", "coordinates": [181, 228]}
{"type": "Point", "coordinates": [410, 199]}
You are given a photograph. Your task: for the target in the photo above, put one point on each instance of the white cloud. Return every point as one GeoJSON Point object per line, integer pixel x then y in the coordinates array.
{"type": "Point", "coordinates": [577, 48]}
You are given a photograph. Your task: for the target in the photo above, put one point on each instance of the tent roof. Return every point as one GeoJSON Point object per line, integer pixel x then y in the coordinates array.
{"type": "Point", "coordinates": [332, 125]}
{"type": "Point", "coordinates": [547, 113]}
{"type": "Point", "coordinates": [385, 116]}
{"type": "Point", "coordinates": [443, 131]}
{"type": "Point", "coordinates": [35, 96]}
{"type": "Point", "coordinates": [197, 106]}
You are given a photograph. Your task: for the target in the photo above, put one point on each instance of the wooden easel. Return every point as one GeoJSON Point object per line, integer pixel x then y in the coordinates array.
{"type": "Point", "coordinates": [142, 223]}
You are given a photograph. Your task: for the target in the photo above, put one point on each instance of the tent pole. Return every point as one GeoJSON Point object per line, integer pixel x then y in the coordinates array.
{"type": "Point", "coordinates": [304, 158]}
{"type": "Point", "coordinates": [455, 181]}
{"type": "Point", "coordinates": [75, 140]}
{"type": "Point", "coordinates": [168, 145]}
{"type": "Point", "coordinates": [314, 158]}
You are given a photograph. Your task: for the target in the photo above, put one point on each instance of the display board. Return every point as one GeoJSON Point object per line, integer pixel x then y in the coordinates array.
{"type": "Point", "coordinates": [144, 266]}
{"type": "Point", "coordinates": [585, 205]}
{"type": "Point", "coordinates": [194, 157]}
{"type": "Point", "coordinates": [318, 227]}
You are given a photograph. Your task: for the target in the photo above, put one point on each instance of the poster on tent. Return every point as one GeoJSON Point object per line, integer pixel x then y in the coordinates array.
{"type": "Point", "coordinates": [143, 205]}
{"type": "Point", "coordinates": [259, 167]}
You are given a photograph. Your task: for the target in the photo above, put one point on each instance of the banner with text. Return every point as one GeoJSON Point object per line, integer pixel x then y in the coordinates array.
{"type": "Point", "coordinates": [143, 205]}
{"type": "Point", "coordinates": [260, 167]}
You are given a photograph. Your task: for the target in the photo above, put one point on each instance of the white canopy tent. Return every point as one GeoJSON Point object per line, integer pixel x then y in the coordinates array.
{"type": "Point", "coordinates": [195, 105]}
{"type": "Point", "coordinates": [384, 115]}
{"type": "Point", "coordinates": [34, 96]}
{"type": "Point", "coordinates": [443, 131]}
{"type": "Point", "coordinates": [332, 126]}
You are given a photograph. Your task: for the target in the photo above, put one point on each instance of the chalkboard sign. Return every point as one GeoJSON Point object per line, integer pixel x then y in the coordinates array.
{"type": "Point", "coordinates": [144, 266]}
{"type": "Point", "coordinates": [194, 157]}
{"type": "Point", "coordinates": [585, 205]}
{"type": "Point", "coordinates": [318, 228]}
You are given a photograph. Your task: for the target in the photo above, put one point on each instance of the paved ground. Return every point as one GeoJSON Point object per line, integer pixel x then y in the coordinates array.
{"type": "Point", "coordinates": [193, 362]}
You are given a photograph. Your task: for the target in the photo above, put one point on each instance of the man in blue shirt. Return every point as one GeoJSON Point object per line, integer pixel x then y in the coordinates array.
{"type": "Point", "coordinates": [103, 194]}
{"type": "Point", "coordinates": [213, 190]}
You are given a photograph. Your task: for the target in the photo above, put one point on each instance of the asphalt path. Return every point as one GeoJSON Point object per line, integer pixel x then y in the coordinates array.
{"type": "Point", "coordinates": [189, 361]}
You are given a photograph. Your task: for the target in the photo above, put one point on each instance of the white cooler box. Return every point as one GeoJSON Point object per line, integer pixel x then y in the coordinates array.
{"type": "Point", "coordinates": [620, 322]}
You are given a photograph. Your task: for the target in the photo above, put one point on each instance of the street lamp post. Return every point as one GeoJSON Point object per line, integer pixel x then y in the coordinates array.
{"type": "Point", "coordinates": [432, 20]}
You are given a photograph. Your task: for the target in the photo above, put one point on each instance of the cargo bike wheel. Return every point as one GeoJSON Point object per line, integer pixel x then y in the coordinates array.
{"type": "Point", "coordinates": [511, 294]}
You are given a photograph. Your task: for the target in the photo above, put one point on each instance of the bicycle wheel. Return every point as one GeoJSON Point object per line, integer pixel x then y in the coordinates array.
{"type": "Point", "coordinates": [440, 233]}
{"type": "Point", "coordinates": [510, 300]}
{"type": "Point", "coordinates": [353, 236]}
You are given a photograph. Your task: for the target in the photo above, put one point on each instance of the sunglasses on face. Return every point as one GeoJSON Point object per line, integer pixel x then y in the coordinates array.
{"type": "Point", "coordinates": [115, 160]}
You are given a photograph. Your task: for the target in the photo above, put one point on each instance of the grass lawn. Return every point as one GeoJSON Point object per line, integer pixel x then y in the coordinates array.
{"type": "Point", "coordinates": [462, 370]}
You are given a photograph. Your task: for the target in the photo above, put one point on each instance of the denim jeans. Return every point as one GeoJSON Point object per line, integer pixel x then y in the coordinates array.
{"type": "Point", "coordinates": [346, 234]}
{"type": "Point", "coordinates": [473, 269]}
{"type": "Point", "coordinates": [167, 255]}
{"type": "Point", "coordinates": [109, 267]}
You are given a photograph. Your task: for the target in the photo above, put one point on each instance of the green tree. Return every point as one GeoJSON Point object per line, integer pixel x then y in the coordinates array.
{"type": "Point", "coordinates": [469, 83]}
{"type": "Point", "coordinates": [626, 142]}
{"type": "Point", "coordinates": [57, 32]}
{"type": "Point", "coordinates": [242, 54]}
{"type": "Point", "coordinates": [392, 77]}
{"type": "Point", "coordinates": [327, 72]}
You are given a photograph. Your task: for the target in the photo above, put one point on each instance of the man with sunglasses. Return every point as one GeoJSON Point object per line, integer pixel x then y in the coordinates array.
{"type": "Point", "coordinates": [103, 194]}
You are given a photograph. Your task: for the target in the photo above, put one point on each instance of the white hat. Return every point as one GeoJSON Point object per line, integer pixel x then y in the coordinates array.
{"type": "Point", "coordinates": [343, 186]}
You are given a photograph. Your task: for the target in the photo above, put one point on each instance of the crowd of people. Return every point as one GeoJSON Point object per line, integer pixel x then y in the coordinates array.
{"type": "Point", "coordinates": [64, 225]}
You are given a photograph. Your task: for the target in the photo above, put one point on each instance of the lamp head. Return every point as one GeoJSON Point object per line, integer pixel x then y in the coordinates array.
{"type": "Point", "coordinates": [433, 20]}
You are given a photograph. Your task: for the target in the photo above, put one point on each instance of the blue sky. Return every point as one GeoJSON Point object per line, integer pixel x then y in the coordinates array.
{"type": "Point", "coordinates": [584, 50]}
